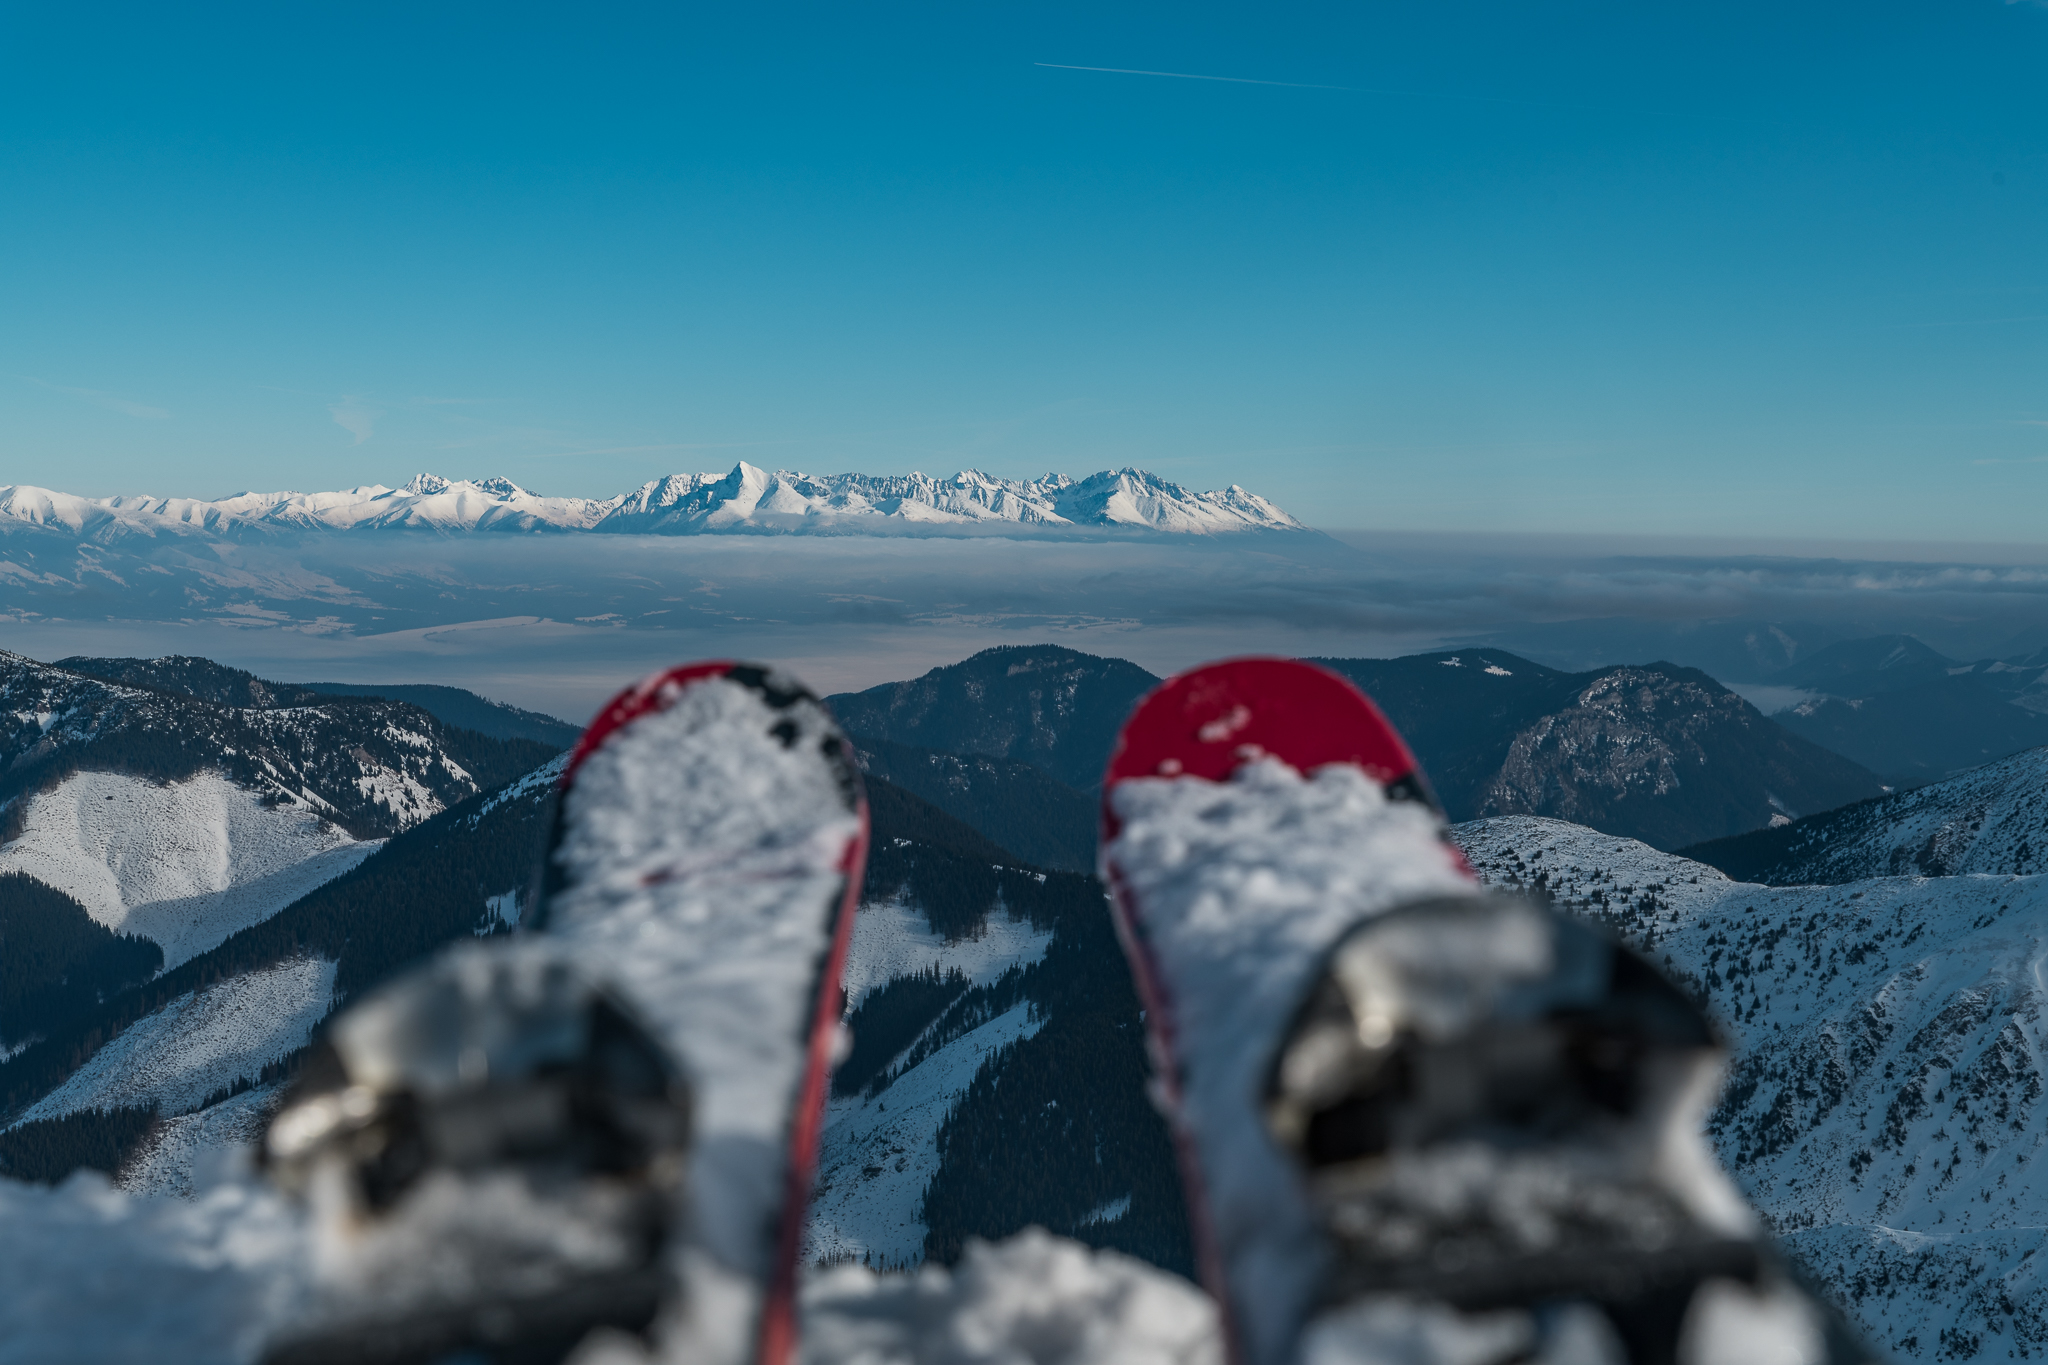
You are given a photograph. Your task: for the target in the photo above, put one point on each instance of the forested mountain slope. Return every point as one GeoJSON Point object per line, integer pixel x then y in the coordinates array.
{"type": "Point", "coordinates": [1913, 715]}
{"type": "Point", "coordinates": [1654, 752]}
{"type": "Point", "coordinates": [209, 681]}
{"type": "Point", "coordinates": [373, 767]}
{"type": "Point", "coordinates": [1021, 807]}
{"type": "Point", "coordinates": [1055, 708]}
{"type": "Point", "coordinates": [1885, 1108]}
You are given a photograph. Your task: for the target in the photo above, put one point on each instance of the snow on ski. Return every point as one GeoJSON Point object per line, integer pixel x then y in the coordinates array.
{"type": "Point", "coordinates": [709, 854]}
{"type": "Point", "coordinates": [1246, 827]}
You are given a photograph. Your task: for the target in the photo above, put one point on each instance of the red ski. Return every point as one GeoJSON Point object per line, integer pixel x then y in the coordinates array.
{"type": "Point", "coordinates": [611, 1123]}
{"type": "Point", "coordinates": [708, 859]}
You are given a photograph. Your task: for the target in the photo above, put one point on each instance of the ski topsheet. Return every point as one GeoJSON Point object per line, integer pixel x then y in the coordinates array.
{"type": "Point", "coordinates": [1417, 1120]}
{"type": "Point", "coordinates": [707, 862]}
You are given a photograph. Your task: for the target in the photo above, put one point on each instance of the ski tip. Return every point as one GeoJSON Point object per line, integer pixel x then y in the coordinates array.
{"type": "Point", "coordinates": [651, 693]}
{"type": "Point", "coordinates": [1208, 721]}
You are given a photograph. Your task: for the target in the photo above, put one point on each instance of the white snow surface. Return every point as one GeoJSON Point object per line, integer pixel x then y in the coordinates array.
{"type": "Point", "coordinates": [96, 1276]}
{"type": "Point", "coordinates": [201, 1042]}
{"type": "Point", "coordinates": [879, 1153]}
{"type": "Point", "coordinates": [1244, 885]}
{"type": "Point", "coordinates": [1885, 1109]}
{"type": "Point", "coordinates": [190, 1148]}
{"type": "Point", "coordinates": [743, 498]}
{"type": "Point", "coordinates": [693, 918]}
{"type": "Point", "coordinates": [185, 864]}
{"type": "Point", "coordinates": [892, 938]}
{"type": "Point", "coordinates": [1031, 1298]}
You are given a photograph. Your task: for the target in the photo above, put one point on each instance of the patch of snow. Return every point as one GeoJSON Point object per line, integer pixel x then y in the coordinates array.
{"type": "Point", "coordinates": [202, 1042]}
{"type": "Point", "coordinates": [892, 938]}
{"type": "Point", "coordinates": [185, 864]}
{"type": "Point", "coordinates": [399, 792]}
{"type": "Point", "coordinates": [1033, 1297]}
{"type": "Point", "coordinates": [189, 1147]}
{"type": "Point", "coordinates": [536, 785]}
{"type": "Point", "coordinates": [1107, 1213]}
{"type": "Point", "coordinates": [504, 908]}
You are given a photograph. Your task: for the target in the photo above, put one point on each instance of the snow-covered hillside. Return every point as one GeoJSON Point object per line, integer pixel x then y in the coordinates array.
{"type": "Point", "coordinates": [1885, 1108]}
{"type": "Point", "coordinates": [201, 1043]}
{"type": "Point", "coordinates": [373, 766]}
{"type": "Point", "coordinates": [881, 1150]}
{"type": "Point", "coordinates": [1991, 819]}
{"type": "Point", "coordinates": [743, 498]}
{"type": "Point", "coordinates": [183, 863]}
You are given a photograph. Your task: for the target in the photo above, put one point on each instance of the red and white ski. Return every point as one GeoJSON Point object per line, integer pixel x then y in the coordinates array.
{"type": "Point", "coordinates": [1246, 826]}
{"type": "Point", "coordinates": [707, 863]}
{"type": "Point", "coordinates": [610, 1123]}
{"type": "Point", "coordinates": [1417, 1120]}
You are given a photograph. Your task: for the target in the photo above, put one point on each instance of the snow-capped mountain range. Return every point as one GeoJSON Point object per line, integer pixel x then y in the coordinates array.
{"type": "Point", "coordinates": [744, 498]}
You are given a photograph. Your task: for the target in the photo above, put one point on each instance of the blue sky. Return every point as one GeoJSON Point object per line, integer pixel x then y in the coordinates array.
{"type": "Point", "coordinates": [1729, 270]}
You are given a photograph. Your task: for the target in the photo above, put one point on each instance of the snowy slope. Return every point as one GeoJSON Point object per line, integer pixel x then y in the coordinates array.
{"type": "Point", "coordinates": [1990, 819]}
{"type": "Point", "coordinates": [744, 497]}
{"type": "Point", "coordinates": [892, 938]}
{"type": "Point", "coordinates": [187, 1149]}
{"type": "Point", "coordinates": [202, 1042]}
{"type": "Point", "coordinates": [880, 1151]}
{"type": "Point", "coordinates": [184, 863]}
{"type": "Point", "coordinates": [1885, 1107]}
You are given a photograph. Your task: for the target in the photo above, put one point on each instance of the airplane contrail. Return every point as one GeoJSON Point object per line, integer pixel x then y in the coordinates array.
{"type": "Point", "coordinates": [1187, 76]}
{"type": "Point", "coordinates": [1357, 89]}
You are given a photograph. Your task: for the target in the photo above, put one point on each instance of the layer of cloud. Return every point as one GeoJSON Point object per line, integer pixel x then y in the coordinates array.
{"type": "Point", "coordinates": [559, 622]}
{"type": "Point", "coordinates": [355, 417]}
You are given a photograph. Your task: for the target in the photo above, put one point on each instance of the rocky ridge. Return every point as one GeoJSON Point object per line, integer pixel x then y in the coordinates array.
{"type": "Point", "coordinates": [1990, 820]}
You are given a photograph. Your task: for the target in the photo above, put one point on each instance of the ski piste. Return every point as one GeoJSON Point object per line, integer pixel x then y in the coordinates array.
{"type": "Point", "coordinates": [701, 883]}
{"type": "Point", "coordinates": [1416, 1120]}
